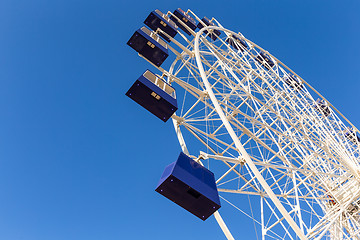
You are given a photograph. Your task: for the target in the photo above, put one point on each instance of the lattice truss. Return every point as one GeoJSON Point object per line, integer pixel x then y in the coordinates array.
{"type": "Point", "coordinates": [303, 149]}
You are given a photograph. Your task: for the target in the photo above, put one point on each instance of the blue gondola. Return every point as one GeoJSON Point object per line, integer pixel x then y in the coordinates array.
{"type": "Point", "coordinates": [237, 43]}
{"type": "Point", "coordinates": [265, 60]}
{"type": "Point", "coordinates": [157, 19]}
{"type": "Point", "coordinates": [293, 82]}
{"type": "Point", "coordinates": [154, 94]}
{"type": "Point", "coordinates": [321, 106]}
{"type": "Point", "coordinates": [191, 186]}
{"type": "Point", "coordinates": [214, 34]}
{"type": "Point", "coordinates": [149, 45]}
{"type": "Point", "coordinates": [186, 19]}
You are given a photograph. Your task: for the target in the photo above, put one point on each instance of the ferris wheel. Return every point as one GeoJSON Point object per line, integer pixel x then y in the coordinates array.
{"type": "Point", "coordinates": [263, 131]}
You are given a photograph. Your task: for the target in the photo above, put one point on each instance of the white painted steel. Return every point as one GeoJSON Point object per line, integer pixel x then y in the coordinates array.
{"type": "Point", "coordinates": [236, 139]}
{"type": "Point", "coordinates": [262, 134]}
{"type": "Point", "coordinates": [223, 226]}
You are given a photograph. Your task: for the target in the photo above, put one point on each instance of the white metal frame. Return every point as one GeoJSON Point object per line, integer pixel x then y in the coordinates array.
{"type": "Point", "coordinates": [265, 138]}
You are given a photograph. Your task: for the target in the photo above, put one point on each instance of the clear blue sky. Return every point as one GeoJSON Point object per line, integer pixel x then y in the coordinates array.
{"type": "Point", "coordinates": [78, 159]}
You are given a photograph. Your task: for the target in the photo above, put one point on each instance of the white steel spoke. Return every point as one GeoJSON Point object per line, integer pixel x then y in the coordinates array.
{"type": "Point", "coordinates": [258, 127]}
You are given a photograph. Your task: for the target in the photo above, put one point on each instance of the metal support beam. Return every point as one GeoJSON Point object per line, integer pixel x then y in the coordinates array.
{"type": "Point", "coordinates": [236, 140]}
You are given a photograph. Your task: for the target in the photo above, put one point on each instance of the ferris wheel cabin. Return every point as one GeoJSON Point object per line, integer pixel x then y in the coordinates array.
{"type": "Point", "coordinates": [149, 45]}
{"type": "Point", "coordinates": [321, 107]}
{"type": "Point", "coordinates": [214, 34]}
{"type": "Point", "coordinates": [351, 135]}
{"type": "Point", "coordinates": [237, 43]}
{"type": "Point", "coordinates": [157, 19]}
{"type": "Point", "coordinates": [154, 94]}
{"type": "Point", "coordinates": [184, 19]}
{"type": "Point", "coordinates": [293, 82]}
{"type": "Point", "coordinates": [191, 186]}
{"type": "Point", "coordinates": [264, 60]}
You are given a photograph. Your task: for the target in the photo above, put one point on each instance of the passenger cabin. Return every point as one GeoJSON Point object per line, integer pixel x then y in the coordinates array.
{"type": "Point", "coordinates": [321, 107]}
{"type": "Point", "coordinates": [154, 94]}
{"type": "Point", "coordinates": [352, 136]}
{"type": "Point", "coordinates": [237, 43]}
{"type": "Point", "coordinates": [353, 208]}
{"type": "Point", "coordinates": [184, 19]}
{"type": "Point", "coordinates": [264, 60]}
{"type": "Point", "coordinates": [149, 45]}
{"type": "Point", "coordinates": [214, 33]}
{"type": "Point", "coordinates": [293, 82]}
{"type": "Point", "coordinates": [157, 19]}
{"type": "Point", "coordinates": [191, 186]}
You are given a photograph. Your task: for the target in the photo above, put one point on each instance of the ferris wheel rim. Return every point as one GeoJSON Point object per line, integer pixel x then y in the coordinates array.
{"type": "Point", "coordinates": [234, 137]}
{"type": "Point", "coordinates": [267, 137]}
{"type": "Point", "coordinates": [175, 118]}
